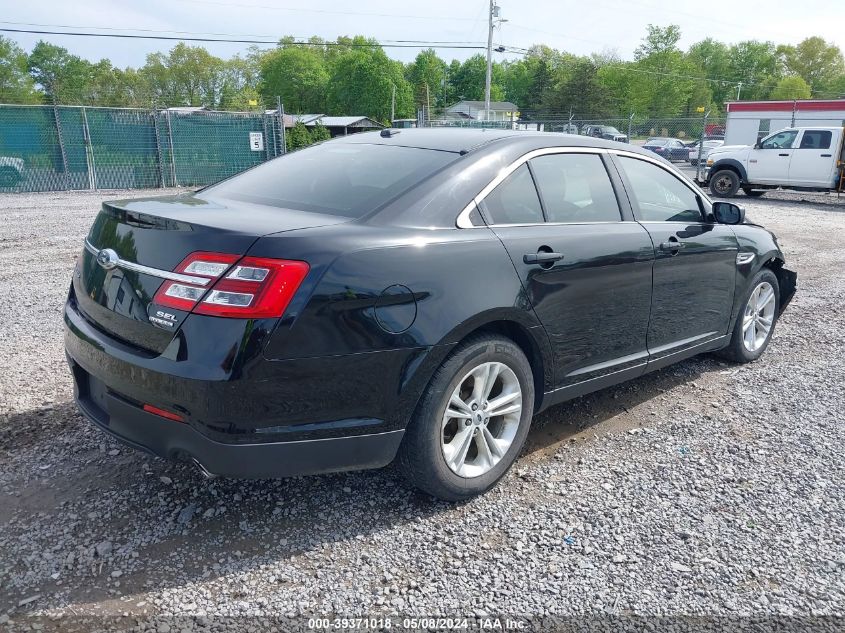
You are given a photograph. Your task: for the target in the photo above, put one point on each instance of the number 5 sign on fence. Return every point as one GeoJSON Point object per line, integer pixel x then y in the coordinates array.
{"type": "Point", "coordinates": [256, 141]}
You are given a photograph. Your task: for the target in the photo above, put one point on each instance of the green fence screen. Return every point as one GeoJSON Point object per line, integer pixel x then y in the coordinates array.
{"type": "Point", "coordinates": [47, 148]}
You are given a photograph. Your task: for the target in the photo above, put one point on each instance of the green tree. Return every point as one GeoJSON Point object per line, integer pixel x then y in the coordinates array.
{"type": "Point", "coordinates": [240, 83]}
{"type": "Point", "coordinates": [186, 76]}
{"type": "Point", "coordinates": [426, 75]}
{"type": "Point", "coordinates": [582, 91]}
{"type": "Point", "coordinates": [16, 84]}
{"type": "Point", "coordinates": [469, 79]}
{"type": "Point", "coordinates": [791, 87]}
{"type": "Point", "coordinates": [63, 76]}
{"type": "Point", "coordinates": [711, 60]}
{"type": "Point", "coordinates": [818, 63]}
{"type": "Point", "coordinates": [665, 80]}
{"type": "Point", "coordinates": [362, 82]}
{"type": "Point", "coordinates": [756, 66]}
{"type": "Point", "coordinates": [297, 137]}
{"type": "Point", "coordinates": [320, 133]}
{"type": "Point", "coordinates": [297, 74]}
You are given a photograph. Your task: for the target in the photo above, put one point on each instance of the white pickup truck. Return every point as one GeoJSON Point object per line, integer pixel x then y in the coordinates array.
{"type": "Point", "coordinates": [799, 158]}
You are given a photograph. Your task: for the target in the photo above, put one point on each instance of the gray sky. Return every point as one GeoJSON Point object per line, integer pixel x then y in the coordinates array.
{"type": "Point", "coordinates": [581, 27]}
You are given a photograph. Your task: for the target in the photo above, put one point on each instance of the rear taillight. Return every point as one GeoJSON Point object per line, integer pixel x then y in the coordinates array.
{"type": "Point", "coordinates": [256, 287]}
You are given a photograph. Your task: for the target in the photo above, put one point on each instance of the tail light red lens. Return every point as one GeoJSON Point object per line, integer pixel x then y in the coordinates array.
{"type": "Point", "coordinates": [257, 287]}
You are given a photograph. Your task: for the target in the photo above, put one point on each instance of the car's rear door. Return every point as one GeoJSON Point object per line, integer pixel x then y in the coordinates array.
{"type": "Point", "coordinates": [585, 269]}
{"type": "Point", "coordinates": [813, 163]}
{"type": "Point", "coordinates": [695, 260]}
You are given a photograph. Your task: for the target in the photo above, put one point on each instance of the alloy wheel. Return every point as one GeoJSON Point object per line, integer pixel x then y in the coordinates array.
{"type": "Point", "coordinates": [481, 419]}
{"type": "Point", "coordinates": [758, 317]}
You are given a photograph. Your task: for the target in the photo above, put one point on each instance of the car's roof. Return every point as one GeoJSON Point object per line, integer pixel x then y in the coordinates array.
{"type": "Point", "coordinates": [465, 140]}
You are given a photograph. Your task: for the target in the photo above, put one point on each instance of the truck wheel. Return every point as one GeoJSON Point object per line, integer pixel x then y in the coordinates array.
{"type": "Point", "coordinates": [724, 183]}
{"type": "Point", "coordinates": [752, 193]}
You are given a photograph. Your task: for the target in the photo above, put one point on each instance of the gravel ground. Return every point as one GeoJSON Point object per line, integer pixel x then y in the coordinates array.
{"type": "Point", "coordinates": [706, 489]}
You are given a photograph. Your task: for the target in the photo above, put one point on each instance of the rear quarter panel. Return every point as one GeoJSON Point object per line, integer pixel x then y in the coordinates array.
{"type": "Point", "coordinates": [375, 292]}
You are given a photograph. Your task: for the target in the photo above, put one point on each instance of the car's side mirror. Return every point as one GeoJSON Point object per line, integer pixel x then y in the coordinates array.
{"type": "Point", "coordinates": [758, 145]}
{"type": "Point", "coordinates": [728, 213]}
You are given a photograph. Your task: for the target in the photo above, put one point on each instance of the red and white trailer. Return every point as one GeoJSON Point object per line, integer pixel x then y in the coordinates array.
{"type": "Point", "coordinates": [750, 121]}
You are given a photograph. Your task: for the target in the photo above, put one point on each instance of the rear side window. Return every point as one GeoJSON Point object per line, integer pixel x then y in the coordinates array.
{"type": "Point", "coordinates": [575, 188]}
{"type": "Point", "coordinates": [335, 178]}
{"type": "Point", "coordinates": [658, 195]}
{"type": "Point", "coordinates": [515, 200]}
{"type": "Point", "coordinates": [816, 139]}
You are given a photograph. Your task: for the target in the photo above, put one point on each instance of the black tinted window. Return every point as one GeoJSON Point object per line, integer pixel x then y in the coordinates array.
{"type": "Point", "coordinates": [658, 195]}
{"type": "Point", "coordinates": [575, 188]}
{"type": "Point", "coordinates": [515, 200]}
{"type": "Point", "coordinates": [336, 178]}
{"type": "Point", "coordinates": [816, 139]}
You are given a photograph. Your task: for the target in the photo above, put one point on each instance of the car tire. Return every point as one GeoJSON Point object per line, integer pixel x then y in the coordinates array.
{"type": "Point", "coordinates": [724, 183]}
{"type": "Point", "coordinates": [430, 454]}
{"type": "Point", "coordinates": [753, 193]}
{"type": "Point", "coordinates": [746, 344]}
{"type": "Point", "coordinates": [694, 163]}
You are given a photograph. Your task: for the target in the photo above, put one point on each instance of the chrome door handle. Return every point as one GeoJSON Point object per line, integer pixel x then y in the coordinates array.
{"type": "Point", "coordinates": [672, 246]}
{"type": "Point", "coordinates": [541, 257]}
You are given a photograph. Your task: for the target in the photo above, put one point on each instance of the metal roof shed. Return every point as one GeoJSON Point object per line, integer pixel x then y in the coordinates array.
{"type": "Point", "coordinates": [343, 125]}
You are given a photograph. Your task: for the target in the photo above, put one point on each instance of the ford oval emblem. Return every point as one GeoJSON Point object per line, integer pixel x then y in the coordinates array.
{"type": "Point", "coordinates": [107, 258]}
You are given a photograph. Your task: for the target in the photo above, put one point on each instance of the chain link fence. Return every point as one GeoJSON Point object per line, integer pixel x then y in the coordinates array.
{"type": "Point", "coordinates": [53, 148]}
{"type": "Point", "coordinates": [634, 128]}
{"type": "Point", "coordinates": [56, 148]}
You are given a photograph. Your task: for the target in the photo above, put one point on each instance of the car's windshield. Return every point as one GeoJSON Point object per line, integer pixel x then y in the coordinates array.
{"type": "Point", "coordinates": [658, 141]}
{"type": "Point", "coordinates": [340, 179]}
{"type": "Point", "coordinates": [611, 130]}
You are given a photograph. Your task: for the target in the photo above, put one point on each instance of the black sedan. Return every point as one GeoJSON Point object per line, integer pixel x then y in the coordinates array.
{"type": "Point", "coordinates": [668, 148]}
{"type": "Point", "coordinates": [415, 295]}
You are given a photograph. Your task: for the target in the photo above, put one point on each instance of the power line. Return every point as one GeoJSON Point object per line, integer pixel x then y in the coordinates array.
{"type": "Point", "coordinates": [331, 12]}
{"type": "Point", "coordinates": [225, 35]}
{"type": "Point", "coordinates": [419, 44]}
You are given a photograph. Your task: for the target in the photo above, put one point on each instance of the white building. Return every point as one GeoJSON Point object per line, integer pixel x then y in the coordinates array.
{"type": "Point", "coordinates": [475, 111]}
{"type": "Point", "coordinates": [749, 121]}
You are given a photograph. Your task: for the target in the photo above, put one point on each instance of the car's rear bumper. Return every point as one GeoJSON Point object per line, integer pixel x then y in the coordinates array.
{"type": "Point", "coordinates": [267, 419]}
{"type": "Point", "coordinates": [148, 432]}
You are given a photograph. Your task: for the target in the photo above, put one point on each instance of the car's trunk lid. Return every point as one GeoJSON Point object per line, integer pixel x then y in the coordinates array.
{"type": "Point", "coordinates": [158, 233]}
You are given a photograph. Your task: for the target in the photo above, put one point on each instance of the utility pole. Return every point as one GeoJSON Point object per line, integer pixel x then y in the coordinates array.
{"type": "Point", "coordinates": [738, 90]}
{"type": "Point", "coordinates": [493, 9]}
{"type": "Point", "coordinates": [427, 105]}
{"type": "Point", "coordinates": [393, 106]}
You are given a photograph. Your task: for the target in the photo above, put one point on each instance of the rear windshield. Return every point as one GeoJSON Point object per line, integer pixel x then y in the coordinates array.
{"type": "Point", "coordinates": [336, 178]}
{"type": "Point", "coordinates": [659, 142]}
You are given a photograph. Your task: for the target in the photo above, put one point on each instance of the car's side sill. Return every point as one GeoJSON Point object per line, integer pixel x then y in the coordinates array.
{"type": "Point", "coordinates": [551, 398]}
{"type": "Point", "coordinates": [706, 346]}
{"type": "Point", "coordinates": [568, 392]}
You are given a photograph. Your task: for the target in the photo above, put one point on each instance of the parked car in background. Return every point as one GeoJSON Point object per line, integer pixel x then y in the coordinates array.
{"type": "Point", "coordinates": [706, 148]}
{"type": "Point", "coordinates": [668, 148]}
{"type": "Point", "coordinates": [11, 171]}
{"type": "Point", "coordinates": [416, 295]}
{"type": "Point", "coordinates": [607, 132]}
